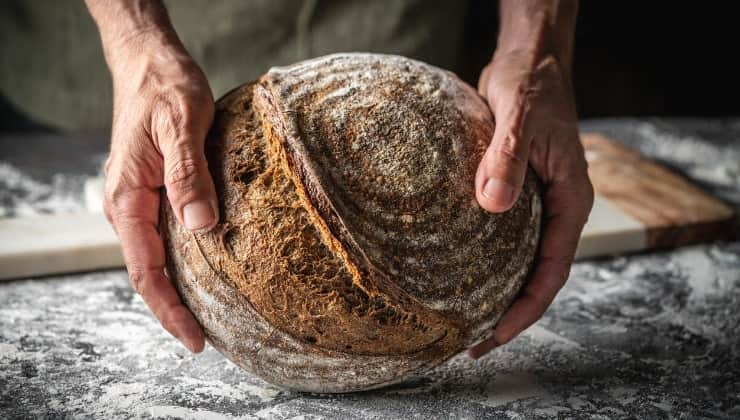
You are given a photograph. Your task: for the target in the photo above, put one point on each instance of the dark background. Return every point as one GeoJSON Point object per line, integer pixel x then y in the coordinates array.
{"type": "Point", "coordinates": [657, 58]}
{"type": "Point", "coordinates": [647, 58]}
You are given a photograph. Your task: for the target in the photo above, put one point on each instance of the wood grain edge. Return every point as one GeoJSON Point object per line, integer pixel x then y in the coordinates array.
{"type": "Point", "coordinates": [675, 212]}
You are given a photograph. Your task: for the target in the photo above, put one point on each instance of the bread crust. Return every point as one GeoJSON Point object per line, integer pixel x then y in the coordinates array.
{"type": "Point", "coordinates": [351, 251]}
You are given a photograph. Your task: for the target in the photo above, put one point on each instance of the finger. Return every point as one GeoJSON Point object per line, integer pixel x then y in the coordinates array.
{"type": "Point", "coordinates": [500, 175]}
{"type": "Point", "coordinates": [483, 347]}
{"type": "Point", "coordinates": [134, 214]}
{"type": "Point", "coordinates": [549, 277]}
{"type": "Point", "coordinates": [558, 246]}
{"type": "Point", "coordinates": [181, 137]}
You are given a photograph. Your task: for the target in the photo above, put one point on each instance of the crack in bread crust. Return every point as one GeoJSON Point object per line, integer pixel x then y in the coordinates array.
{"type": "Point", "coordinates": [394, 144]}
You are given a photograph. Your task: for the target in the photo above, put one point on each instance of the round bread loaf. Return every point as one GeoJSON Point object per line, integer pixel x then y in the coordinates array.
{"type": "Point", "coordinates": [351, 251]}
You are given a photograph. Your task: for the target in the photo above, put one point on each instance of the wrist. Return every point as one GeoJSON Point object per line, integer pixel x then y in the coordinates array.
{"type": "Point", "coordinates": [131, 29]}
{"type": "Point", "coordinates": [150, 51]}
{"type": "Point", "coordinates": [538, 29]}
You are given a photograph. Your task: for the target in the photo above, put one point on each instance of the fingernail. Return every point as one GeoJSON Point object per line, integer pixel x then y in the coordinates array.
{"type": "Point", "coordinates": [182, 337]}
{"type": "Point", "coordinates": [188, 345]}
{"type": "Point", "coordinates": [198, 215]}
{"type": "Point", "coordinates": [191, 346]}
{"type": "Point", "coordinates": [178, 334]}
{"type": "Point", "coordinates": [498, 191]}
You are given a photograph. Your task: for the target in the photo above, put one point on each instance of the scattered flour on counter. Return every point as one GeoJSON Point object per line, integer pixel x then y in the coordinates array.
{"type": "Point", "coordinates": [173, 411]}
{"type": "Point", "coordinates": [541, 334]}
{"type": "Point", "coordinates": [122, 396]}
{"type": "Point", "coordinates": [21, 195]}
{"type": "Point", "coordinates": [509, 387]}
{"type": "Point", "coordinates": [241, 391]}
{"type": "Point", "coordinates": [134, 339]}
{"type": "Point", "coordinates": [625, 395]}
{"type": "Point", "coordinates": [712, 163]}
{"type": "Point", "coordinates": [263, 393]}
{"type": "Point", "coordinates": [678, 148]}
{"type": "Point", "coordinates": [700, 272]}
{"type": "Point", "coordinates": [7, 350]}
{"type": "Point", "coordinates": [25, 314]}
{"type": "Point", "coordinates": [275, 411]}
{"type": "Point", "coordinates": [665, 406]}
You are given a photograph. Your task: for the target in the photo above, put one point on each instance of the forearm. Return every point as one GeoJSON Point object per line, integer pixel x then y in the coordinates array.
{"type": "Point", "coordinates": [132, 26]}
{"type": "Point", "coordinates": [539, 28]}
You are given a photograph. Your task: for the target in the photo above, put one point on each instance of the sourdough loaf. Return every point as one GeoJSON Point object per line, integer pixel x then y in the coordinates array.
{"type": "Point", "coordinates": [350, 251]}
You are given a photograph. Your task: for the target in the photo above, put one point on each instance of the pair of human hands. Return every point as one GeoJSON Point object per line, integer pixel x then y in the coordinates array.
{"type": "Point", "coordinates": [163, 108]}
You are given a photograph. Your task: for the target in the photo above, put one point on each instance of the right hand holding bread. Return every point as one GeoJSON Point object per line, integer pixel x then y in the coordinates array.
{"type": "Point", "coordinates": [529, 91]}
{"type": "Point", "coordinates": [162, 109]}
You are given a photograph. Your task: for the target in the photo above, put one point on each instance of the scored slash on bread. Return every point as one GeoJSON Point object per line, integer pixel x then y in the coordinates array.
{"type": "Point", "coordinates": [350, 253]}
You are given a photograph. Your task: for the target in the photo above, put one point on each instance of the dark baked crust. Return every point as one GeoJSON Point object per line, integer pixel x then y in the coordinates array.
{"type": "Point", "coordinates": [350, 251]}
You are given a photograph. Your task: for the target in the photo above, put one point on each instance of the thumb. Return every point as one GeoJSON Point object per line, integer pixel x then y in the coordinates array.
{"type": "Point", "coordinates": [501, 172]}
{"type": "Point", "coordinates": [188, 182]}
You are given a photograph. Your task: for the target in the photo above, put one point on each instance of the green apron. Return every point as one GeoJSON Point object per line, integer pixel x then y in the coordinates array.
{"type": "Point", "coordinates": [52, 69]}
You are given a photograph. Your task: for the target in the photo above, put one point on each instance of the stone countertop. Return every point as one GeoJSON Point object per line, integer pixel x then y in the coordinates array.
{"type": "Point", "coordinates": [640, 336]}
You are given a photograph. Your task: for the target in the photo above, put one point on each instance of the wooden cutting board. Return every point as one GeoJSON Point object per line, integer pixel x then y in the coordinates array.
{"type": "Point", "coordinates": [640, 205]}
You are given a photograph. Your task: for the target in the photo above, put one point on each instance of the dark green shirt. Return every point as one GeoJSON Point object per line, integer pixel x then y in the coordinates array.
{"type": "Point", "coordinates": [52, 68]}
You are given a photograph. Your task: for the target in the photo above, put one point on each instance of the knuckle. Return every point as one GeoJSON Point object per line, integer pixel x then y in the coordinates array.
{"type": "Point", "coordinates": [114, 202]}
{"type": "Point", "coordinates": [108, 212]}
{"type": "Point", "coordinates": [589, 189]}
{"type": "Point", "coordinates": [510, 152]}
{"type": "Point", "coordinates": [167, 119]}
{"type": "Point", "coordinates": [590, 195]}
{"type": "Point", "coordinates": [540, 304]}
{"type": "Point", "coordinates": [184, 112]}
{"type": "Point", "coordinates": [178, 114]}
{"type": "Point", "coordinates": [561, 267]}
{"type": "Point", "coordinates": [173, 116]}
{"type": "Point", "coordinates": [540, 310]}
{"type": "Point", "coordinates": [561, 263]}
{"type": "Point", "coordinates": [167, 315]}
{"type": "Point", "coordinates": [586, 198]}
{"type": "Point", "coordinates": [575, 176]}
{"type": "Point", "coordinates": [137, 278]}
{"type": "Point", "coordinates": [182, 174]}
{"type": "Point", "coordinates": [167, 322]}
{"type": "Point", "coordinates": [107, 165]}
{"type": "Point", "coordinates": [120, 213]}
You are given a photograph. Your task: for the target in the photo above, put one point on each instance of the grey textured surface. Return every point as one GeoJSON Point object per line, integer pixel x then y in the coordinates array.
{"type": "Point", "coordinates": [641, 336]}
